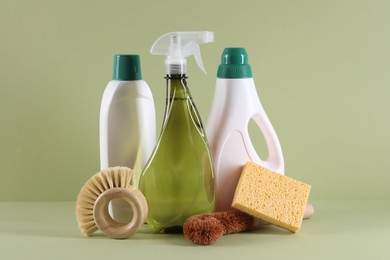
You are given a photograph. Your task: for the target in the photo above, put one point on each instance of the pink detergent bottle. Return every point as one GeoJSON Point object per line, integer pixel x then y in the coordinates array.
{"type": "Point", "coordinates": [236, 103]}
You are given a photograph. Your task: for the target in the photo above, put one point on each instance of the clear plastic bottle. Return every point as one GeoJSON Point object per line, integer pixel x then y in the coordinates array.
{"type": "Point", "coordinates": [127, 125]}
{"type": "Point", "coordinates": [235, 103]}
{"type": "Point", "coordinates": [178, 180]}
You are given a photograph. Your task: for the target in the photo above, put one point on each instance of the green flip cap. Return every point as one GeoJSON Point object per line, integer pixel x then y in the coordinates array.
{"type": "Point", "coordinates": [127, 67]}
{"type": "Point", "coordinates": [234, 64]}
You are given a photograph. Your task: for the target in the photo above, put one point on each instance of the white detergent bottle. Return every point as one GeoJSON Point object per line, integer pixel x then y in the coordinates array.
{"type": "Point", "coordinates": [127, 125]}
{"type": "Point", "coordinates": [235, 104]}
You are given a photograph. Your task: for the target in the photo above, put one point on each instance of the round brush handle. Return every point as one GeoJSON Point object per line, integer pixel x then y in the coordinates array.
{"type": "Point", "coordinates": [110, 227]}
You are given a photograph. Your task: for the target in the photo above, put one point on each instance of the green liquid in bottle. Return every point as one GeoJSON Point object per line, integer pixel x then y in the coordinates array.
{"type": "Point", "coordinates": [178, 180]}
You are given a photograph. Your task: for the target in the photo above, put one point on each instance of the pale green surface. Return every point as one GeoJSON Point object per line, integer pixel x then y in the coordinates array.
{"type": "Point", "coordinates": [338, 230]}
{"type": "Point", "coordinates": [321, 69]}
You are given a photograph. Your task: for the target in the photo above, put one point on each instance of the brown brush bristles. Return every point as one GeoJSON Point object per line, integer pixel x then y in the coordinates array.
{"type": "Point", "coordinates": [206, 229]}
{"type": "Point", "coordinates": [203, 230]}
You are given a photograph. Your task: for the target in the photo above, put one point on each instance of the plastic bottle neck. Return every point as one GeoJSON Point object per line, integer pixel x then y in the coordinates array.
{"type": "Point", "coordinates": [177, 91]}
{"type": "Point", "coordinates": [177, 87]}
{"type": "Point", "coordinates": [177, 68]}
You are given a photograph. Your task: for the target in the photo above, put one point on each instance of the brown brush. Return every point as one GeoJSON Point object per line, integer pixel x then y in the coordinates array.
{"type": "Point", "coordinates": [206, 229]}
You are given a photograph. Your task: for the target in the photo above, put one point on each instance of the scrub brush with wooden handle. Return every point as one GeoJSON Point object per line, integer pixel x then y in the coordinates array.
{"type": "Point", "coordinates": [94, 197]}
{"type": "Point", "coordinates": [206, 229]}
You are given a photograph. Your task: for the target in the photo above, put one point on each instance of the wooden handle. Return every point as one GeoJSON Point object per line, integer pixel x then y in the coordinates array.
{"type": "Point", "coordinates": [110, 227]}
{"type": "Point", "coordinates": [309, 211]}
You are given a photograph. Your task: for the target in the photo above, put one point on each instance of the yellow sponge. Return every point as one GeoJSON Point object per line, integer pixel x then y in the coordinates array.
{"type": "Point", "coordinates": [272, 197]}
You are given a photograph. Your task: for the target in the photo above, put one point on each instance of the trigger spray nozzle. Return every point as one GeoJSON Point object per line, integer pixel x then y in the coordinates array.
{"type": "Point", "coordinates": [177, 46]}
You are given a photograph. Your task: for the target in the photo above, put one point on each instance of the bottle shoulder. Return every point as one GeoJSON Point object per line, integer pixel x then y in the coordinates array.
{"type": "Point", "coordinates": [238, 89]}
{"type": "Point", "coordinates": [116, 89]}
{"type": "Point", "coordinates": [234, 99]}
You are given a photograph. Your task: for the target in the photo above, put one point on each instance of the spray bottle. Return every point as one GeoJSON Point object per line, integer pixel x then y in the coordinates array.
{"type": "Point", "coordinates": [235, 103]}
{"type": "Point", "coordinates": [178, 180]}
{"type": "Point", "coordinates": [127, 125]}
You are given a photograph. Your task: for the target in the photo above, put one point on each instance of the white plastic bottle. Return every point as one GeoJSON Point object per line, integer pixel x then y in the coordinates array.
{"type": "Point", "coordinates": [236, 103]}
{"type": "Point", "coordinates": [127, 124]}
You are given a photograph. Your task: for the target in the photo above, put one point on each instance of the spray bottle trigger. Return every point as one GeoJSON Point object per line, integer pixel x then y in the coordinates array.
{"type": "Point", "coordinates": [178, 46]}
{"type": "Point", "coordinates": [193, 48]}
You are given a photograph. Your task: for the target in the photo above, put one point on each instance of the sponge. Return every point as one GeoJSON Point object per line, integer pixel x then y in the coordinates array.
{"type": "Point", "coordinates": [270, 196]}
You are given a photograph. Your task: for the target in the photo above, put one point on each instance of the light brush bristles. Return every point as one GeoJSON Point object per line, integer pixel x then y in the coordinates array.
{"type": "Point", "coordinates": [115, 177]}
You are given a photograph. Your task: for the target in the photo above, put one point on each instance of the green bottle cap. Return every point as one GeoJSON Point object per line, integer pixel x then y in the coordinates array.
{"type": "Point", "coordinates": [127, 67]}
{"type": "Point", "coordinates": [234, 64]}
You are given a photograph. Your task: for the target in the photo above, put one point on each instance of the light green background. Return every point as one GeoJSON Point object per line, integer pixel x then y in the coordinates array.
{"type": "Point", "coordinates": [322, 70]}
